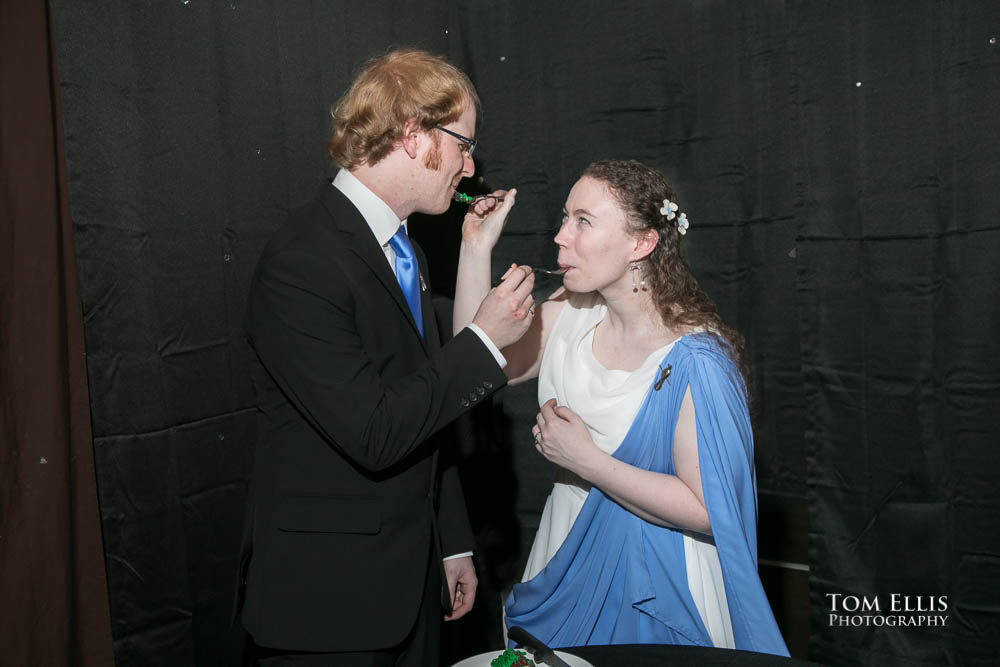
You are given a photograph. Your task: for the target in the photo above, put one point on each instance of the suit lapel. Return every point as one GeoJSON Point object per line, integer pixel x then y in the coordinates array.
{"type": "Point", "coordinates": [432, 336]}
{"type": "Point", "coordinates": [349, 220]}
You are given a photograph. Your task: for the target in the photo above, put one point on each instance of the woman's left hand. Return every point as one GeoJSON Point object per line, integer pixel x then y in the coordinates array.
{"type": "Point", "coordinates": [562, 437]}
{"type": "Point", "coordinates": [486, 218]}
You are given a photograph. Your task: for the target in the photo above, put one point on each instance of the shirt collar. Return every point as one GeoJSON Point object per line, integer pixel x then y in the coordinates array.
{"type": "Point", "coordinates": [379, 216]}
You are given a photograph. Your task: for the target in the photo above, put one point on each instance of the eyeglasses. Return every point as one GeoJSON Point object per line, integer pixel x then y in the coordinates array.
{"type": "Point", "coordinates": [468, 145]}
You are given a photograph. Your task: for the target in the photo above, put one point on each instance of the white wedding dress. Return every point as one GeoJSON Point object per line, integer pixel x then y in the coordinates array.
{"type": "Point", "coordinates": [607, 401]}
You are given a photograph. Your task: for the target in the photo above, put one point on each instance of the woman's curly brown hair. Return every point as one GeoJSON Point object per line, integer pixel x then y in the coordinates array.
{"type": "Point", "coordinates": [640, 191]}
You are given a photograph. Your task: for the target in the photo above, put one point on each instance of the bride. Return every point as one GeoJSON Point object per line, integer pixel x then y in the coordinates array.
{"type": "Point", "coordinates": [649, 533]}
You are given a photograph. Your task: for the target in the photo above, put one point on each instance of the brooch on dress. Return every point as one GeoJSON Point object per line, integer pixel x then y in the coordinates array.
{"type": "Point", "coordinates": [663, 377]}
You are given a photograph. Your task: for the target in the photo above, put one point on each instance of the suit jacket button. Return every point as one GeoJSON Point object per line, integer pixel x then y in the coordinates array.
{"type": "Point", "coordinates": [465, 403]}
{"type": "Point", "coordinates": [488, 385]}
{"type": "Point", "coordinates": [480, 391]}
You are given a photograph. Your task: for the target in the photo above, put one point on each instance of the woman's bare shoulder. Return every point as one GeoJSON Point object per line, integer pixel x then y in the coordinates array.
{"type": "Point", "coordinates": [561, 295]}
{"type": "Point", "coordinates": [554, 305]}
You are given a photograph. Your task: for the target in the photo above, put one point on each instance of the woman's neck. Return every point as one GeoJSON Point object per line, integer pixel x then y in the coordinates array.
{"type": "Point", "coordinates": [631, 329]}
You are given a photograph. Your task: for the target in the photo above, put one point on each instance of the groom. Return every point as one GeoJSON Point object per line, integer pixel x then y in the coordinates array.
{"type": "Point", "coordinates": [355, 538]}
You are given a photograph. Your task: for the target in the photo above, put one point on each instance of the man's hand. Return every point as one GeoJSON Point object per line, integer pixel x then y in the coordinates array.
{"type": "Point", "coordinates": [506, 312]}
{"type": "Point", "coordinates": [462, 583]}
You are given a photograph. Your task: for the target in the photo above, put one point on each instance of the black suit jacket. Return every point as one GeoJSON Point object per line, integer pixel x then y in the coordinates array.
{"type": "Point", "coordinates": [345, 508]}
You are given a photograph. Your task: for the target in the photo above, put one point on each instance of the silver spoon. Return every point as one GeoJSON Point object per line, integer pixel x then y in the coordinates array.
{"type": "Point", "coordinates": [544, 272]}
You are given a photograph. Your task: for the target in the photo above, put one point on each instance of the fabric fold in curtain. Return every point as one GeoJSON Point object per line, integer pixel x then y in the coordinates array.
{"type": "Point", "coordinates": [52, 575]}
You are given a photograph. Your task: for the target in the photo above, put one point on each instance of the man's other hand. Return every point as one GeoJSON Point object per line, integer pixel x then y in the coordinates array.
{"type": "Point", "coordinates": [462, 583]}
{"type": "Point", "coordinates": [506, 312]}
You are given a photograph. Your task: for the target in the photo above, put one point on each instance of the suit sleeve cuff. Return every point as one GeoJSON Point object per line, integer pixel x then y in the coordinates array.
{"type": "Point", "coordinates": [466, 554]}
{"type": "Point", "coordinates": [501, 360]}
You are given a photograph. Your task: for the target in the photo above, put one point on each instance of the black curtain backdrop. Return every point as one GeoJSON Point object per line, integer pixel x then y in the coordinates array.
{"type": "Point", "coordinates": [839, 163]}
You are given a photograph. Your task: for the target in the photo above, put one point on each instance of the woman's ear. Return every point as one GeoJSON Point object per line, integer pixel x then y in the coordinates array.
{"type": "Point", "coordinates": [644, 244]}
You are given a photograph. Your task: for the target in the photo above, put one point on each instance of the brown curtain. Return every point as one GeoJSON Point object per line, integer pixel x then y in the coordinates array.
{"type": "Point", "coordinates": [54, 608]}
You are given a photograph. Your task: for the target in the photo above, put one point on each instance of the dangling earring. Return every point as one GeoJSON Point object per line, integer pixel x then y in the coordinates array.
{"type": "Point", "coordinates": [633, 267]}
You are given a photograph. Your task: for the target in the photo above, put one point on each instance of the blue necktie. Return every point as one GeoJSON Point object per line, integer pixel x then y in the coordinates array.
{"type": "Point", "coordinates": [407, 274]}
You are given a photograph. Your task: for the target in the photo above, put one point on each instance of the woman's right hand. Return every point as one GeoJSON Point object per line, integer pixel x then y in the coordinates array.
{"type": "Point", "coordinates": [486, 219]}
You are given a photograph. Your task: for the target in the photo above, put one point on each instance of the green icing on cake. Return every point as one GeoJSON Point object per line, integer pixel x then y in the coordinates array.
{"type": "Point", "coordinates": [512, 658]}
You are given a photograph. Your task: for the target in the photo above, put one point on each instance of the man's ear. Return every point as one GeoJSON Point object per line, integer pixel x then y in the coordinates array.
{"type": "Point", "coordinates": [412, 135]}
{"type": "Point", "coordinates": [644, 244]}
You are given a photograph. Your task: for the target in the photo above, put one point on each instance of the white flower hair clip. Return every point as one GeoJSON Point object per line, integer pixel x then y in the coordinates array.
{"type": "Point", "coordinates": [669, 209]}
{"type": "Point", "coordinates": [683, 224]}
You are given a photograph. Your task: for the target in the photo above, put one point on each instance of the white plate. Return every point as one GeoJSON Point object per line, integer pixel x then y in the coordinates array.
{"type": "Point", "coordinates": [484, 659]}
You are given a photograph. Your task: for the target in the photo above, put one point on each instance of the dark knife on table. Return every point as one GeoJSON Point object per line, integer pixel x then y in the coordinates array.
{"type": "Point", "coordinates": [540, 652]}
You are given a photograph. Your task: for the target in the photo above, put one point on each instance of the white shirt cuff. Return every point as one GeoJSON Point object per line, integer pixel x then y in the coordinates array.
{"type": "Point", "coordinates": [489, 344]}
{"type": "Point", "coordinates": [467, 554]}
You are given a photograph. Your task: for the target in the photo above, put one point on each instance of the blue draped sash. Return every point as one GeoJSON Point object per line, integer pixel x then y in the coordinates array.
{"type": "Point", "coordinates": [618, 579]}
